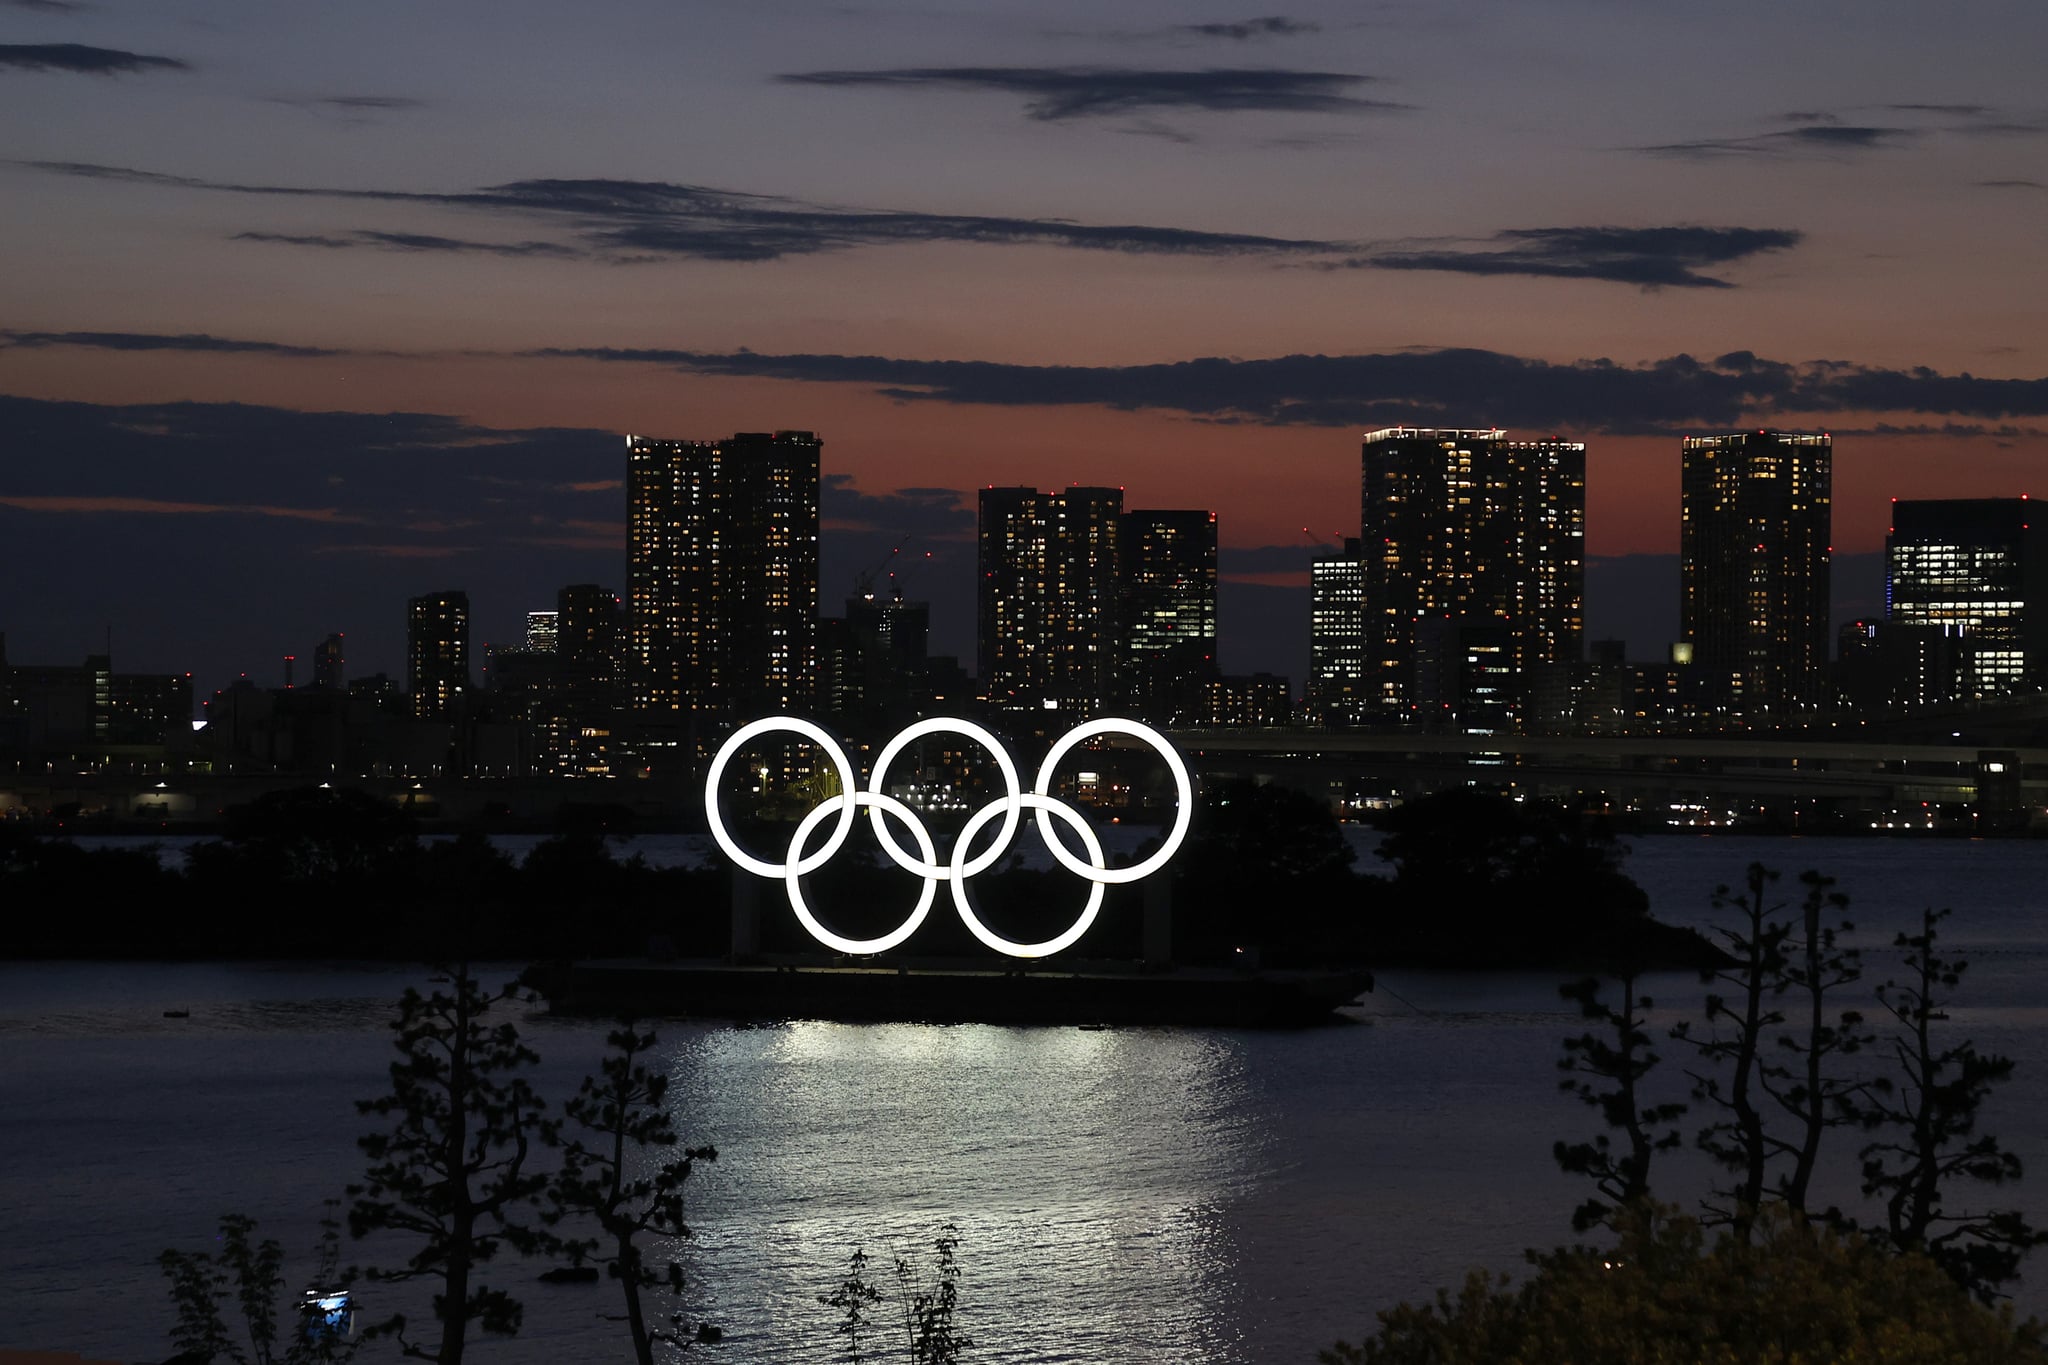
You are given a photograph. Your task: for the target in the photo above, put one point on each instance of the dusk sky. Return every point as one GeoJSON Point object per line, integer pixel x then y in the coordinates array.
{"type": "Point", "coordinates": [305, 309]}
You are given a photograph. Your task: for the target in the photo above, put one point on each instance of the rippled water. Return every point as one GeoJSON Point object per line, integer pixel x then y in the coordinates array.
{"type": "Point", "coordinates": [1143, 1195]}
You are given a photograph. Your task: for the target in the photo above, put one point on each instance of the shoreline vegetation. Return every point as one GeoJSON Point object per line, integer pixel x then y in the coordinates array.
{"type": "Point", "coordinates": [1470, 879]}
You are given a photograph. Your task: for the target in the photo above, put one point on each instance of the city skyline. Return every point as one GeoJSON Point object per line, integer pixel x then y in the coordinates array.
{"type": "Point", "coordinates": [306, 322]}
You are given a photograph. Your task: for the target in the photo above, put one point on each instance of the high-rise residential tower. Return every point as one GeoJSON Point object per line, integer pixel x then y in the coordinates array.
{"type": "Point", "coordinates": [437, 653]}
{"type": "Point", "coordinates": [1754, 546]}
{"type": "Point", "coordinates": [1974, 568]}
{"type": "Point", "coordinates": [722, 568]}
{"type": "Point", "coordinates": [1167, 613]}
{"type": "Point", "coordinates": [1335, 694]}
{"type": "Point", "coordinates": [1476, 532]}
{"type": "Point", "coordinates": [1046, 631]}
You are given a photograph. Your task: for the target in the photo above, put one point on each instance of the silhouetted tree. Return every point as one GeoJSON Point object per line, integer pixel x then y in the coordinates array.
{"type": "Point", "coordinates": [321, 834]}
{"type": "Point", "coordinates": [1806, 1086]}
{"type": "Point", "coordinates": [855, 1298]}
{"type": "Point", "coordinates": [1482, 877]}
{"type": "Point", "coordinates": [452, 1173]}
{"type": "Point", "coordinates": [1731, 1050]}
{"type": "Point", "coordinates": [252, 1271]}
{"type": "Point", "coordinates": [620, 1119]}
{"type": "Point", "coordinates": [1932, 1107]}
{"type": "Point", "coordinates": [1605, 1068]}
{"type": "Point", "coordinates": [927, 1306]}
{"type": "Point", "coordinates": [1266, 866]}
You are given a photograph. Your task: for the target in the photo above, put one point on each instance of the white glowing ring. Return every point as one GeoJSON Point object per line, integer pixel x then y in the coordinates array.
{"type": "Point", "coordinates": [1045, 805]}
{"type": "Point", "coordinates": [847, 783]}
{"type": "Point", "coordinates": [1183, 787]}
{"type": "Point", "coordinates": [794, 879]}
{"type": "Point", "coordinates": [1012, 801]}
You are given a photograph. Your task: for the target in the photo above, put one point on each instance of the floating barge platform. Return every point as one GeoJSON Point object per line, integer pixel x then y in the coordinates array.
{"type": "Point", "coordinates": [1190, 996]}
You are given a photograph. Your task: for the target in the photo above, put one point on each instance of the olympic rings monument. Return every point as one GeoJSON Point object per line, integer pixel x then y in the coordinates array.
{"type": "Point", "coordinates": [1002, 990]}
{"type": "Point", "coordinates": [958, 868]}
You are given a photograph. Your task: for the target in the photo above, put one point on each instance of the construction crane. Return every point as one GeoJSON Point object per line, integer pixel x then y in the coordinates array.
{"type": "Point", "coordinates": [864, 581]}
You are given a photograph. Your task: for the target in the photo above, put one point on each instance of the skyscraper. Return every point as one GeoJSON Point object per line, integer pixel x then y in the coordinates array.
{"type": "Point", "coordinates": [1335, 694]}
{"type": "Point", "coordinates": [1167, 613]}
{"type": "Point", "coordinates": [329, 666]}
{"type": "Point", "coordinates": [1469, 528]}
{"type": "Point", "coordinates": [1974, 568]}
{"type": "Point", "coordinates": [1754, 552]}
{"type": "Point", "coordinates": [437, 652]}
{"type": "Point", "coordinates": [722, 567]}
{"type": "Point", "coordinates": [1047, 604]}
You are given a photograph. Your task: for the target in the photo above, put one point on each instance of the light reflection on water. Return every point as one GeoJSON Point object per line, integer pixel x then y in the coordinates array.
{"type": "Point", "coordinates": [1122, 1196]}
{"type": "Point", "coordinates": [1084, 1170]}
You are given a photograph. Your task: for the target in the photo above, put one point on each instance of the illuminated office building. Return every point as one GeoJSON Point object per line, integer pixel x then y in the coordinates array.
{"type": "Point", "coordinates": [1046, 627]}
{"type": "Point", "coordinates": [1471, 528]}
{"type": "Point", "coordinates": [1335, 694]}
{"type": "Point", "coordinates": [1167, 613]}
{"type": "Point", "coordinates": [1974, 569]}
{"type": "Point", "coordinates": [543, 628]}
{"type": "Point", "coordinates": [1754, 548]}
{"type": "Point", "coordinates": [722, 575]}
{"type": "Point", "coordinates": [437, 653]}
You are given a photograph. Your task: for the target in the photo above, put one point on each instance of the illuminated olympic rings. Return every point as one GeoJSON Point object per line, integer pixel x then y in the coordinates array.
{"type": "Point", "coordinates": [926, 862]}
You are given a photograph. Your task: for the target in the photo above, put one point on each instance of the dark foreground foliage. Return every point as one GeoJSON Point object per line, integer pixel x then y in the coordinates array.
{"type": "Point", "coordinates": [1796, 1293]}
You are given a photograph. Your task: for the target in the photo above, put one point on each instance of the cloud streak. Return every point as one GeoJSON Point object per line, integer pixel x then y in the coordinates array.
{"type": "Point", "coordinates": [199, 342]}
{"type": "Point", "coordinates": [1053, 93]}
{"type": "Point", "coordinates": [1812, 139]}
{"type": "Point", "coordinates": [1431, 388]}
{"type": "Point", "coordinates": [1272, 26]}
{"type": "Point", "coordinates": [356, 104]}
{"type": "Point", "coordinates": [627, 220]}
{"type": "Point", "coordinates": [415, 242]}
{"type": "Point", "coordinates": [1648, 257]}
{"type": "Point", "coordinates": [82, 60]}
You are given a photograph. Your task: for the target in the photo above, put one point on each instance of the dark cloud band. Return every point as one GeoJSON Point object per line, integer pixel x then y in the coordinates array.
{"type": "Point", "coordinates": [199, 342]}
{"type": "Point", "coordinates": [1454, 387]}
{"type": "Point", "coordinates": [1065, 92]}
{"type": "Point", "coordinates": [76, 57]}
{"type": "Point", "coordinates": [1648, 257]}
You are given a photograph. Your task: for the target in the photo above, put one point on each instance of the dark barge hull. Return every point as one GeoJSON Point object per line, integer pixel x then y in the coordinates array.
{"type": "Point", "coordinates": [718, 990]}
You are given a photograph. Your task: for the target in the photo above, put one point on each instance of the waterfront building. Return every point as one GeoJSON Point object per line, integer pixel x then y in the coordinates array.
{"type": "Point", "coordinates": [1469, 527]}
{"type": "Point", "coordinates": [437, 653]}
{"type": "Point", "coordinates": [1974, 570]}
{"type": "Point", "coordinates": [1335, 691]}
{"type": "Point", "coordinates": [722, 570]}
{"type": "Point", "coordinates": [1047, 599]}
{"type": "Point", "coordinates": [1166, 613]}
{"type": "Point", "coordinates": [1754, 546]}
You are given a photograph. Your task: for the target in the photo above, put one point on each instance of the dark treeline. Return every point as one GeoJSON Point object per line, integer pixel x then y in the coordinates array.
{"type": "Point", "coordinates": [1470, 879]}
{"type": "Point", "coordinates": [332, 873]}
